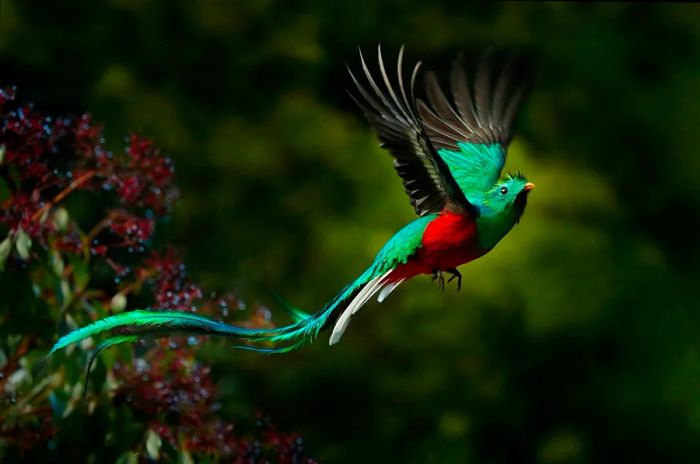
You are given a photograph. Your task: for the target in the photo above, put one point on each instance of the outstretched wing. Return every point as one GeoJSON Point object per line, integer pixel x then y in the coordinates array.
{"type": "Point", "coordinates": [426, 177]}
{"type": "Point", "coordinates": [472, 134]}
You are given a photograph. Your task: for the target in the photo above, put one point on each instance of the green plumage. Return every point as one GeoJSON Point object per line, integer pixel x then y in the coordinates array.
{"type": "Point", "coordinates": [401, 246]}
{"type": "Point", "coordinates": [131, 325]}
{"type": "Point", "coordinates": [475, 167]}
{"type": "Point", "coordinates": [146, 323]}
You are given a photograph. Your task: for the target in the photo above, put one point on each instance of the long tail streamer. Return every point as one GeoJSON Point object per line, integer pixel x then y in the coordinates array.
{"type": "Point", "coordinates": [133, 325]}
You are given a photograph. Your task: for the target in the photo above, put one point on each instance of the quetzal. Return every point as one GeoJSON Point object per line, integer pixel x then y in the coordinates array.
{"type": "Point", "coordinates": [449, 155]}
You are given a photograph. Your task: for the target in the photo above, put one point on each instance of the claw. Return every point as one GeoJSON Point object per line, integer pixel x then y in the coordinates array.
{"type": "Point", "coordinates": [437, 275]}
{"type": "Point", "coordinates": [455, 274]}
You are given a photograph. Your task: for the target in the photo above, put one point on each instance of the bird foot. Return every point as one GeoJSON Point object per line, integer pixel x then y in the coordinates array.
{"type": "Point", "coordinates": [455, 274]}
{"type": "Point", "coordinates": [437, 275]}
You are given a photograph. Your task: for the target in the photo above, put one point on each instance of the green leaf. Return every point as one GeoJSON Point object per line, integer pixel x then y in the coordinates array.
{"type": "Point", "coordinates": [64, 293]}
{"type": "Point", "coordinates": [61, 219]}
{"type": "Point", "coordinates": [153, 443]}
{"type": "Point", "coordinates": [5, 248]}
{"type": "Point", "coordinates": [118, 302]}
{"type": "Point", "coordinates": [23, 243]}
{"type": "Point", "coordinates": [128, 458]}
{"type": "Point", "coordinates": [81, 273]}
{"type": "Point", "coordinates": [57, 263]}
{"type": "Point", "coordinates": [3, 150]}
{"type": "Point", "coordinates": [185, 457]}
{"type": "Point", "coordinates": [18, 378]}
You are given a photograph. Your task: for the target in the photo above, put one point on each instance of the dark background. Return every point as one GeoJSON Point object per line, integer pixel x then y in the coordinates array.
{"type": "Point", "coordinates": [575, 340]}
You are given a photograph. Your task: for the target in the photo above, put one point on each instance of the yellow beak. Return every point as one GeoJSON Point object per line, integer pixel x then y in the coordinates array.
{"type": "Point", "coordinates": [529, 186]}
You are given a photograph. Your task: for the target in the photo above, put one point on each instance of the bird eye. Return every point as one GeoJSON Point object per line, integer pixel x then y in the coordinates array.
{"type": "Point", "coordinates": [504, 190]}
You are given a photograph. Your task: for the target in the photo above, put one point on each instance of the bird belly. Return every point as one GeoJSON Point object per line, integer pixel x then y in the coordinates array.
{"type": "Point", "coordinates": [450, 240]}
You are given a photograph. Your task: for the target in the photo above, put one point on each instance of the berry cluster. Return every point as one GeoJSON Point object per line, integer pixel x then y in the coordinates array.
{"type": "Point", "coordinates": [44, 162]}
{"type": "Point", "coordinates": [176, 397]}
{"type": "Point", "coordinates": [172, 288]}
{"type": "Point", "coordinates": [45, 159]}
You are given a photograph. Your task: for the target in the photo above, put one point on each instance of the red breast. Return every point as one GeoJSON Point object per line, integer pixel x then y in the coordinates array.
{"type": "Point", "coordinates": [450, 240]}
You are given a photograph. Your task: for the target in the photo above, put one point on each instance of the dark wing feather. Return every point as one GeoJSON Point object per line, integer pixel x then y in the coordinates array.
{"type": "Point", "coordinates": [483, 110]}
{"type": "Point", "coordinates": [426, 178]}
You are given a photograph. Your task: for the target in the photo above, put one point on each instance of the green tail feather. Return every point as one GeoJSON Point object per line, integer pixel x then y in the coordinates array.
{"type": "Point", "coordinates": [295, 313]}
{"type": "Point", "coordinates": [142, 322]}
{"type": "Point", "coordinates": [132, 325]}
{"type": "Point", "coordinates": [101, 347]}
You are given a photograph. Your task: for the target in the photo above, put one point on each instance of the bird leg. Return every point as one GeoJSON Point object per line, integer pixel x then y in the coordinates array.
{"type": "Point", "coordinates": [437, 275]}
{"type": "Point", "coordinates": [455, 275]}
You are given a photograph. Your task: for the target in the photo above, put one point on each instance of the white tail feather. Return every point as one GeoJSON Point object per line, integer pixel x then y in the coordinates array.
{"type": "Point", "coordinates": [372, 287]}
{"type": "Point", "coordinates": [388, 289]}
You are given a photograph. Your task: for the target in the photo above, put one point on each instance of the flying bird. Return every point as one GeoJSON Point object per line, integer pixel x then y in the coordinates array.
{"type": "Point", "coordinates": [449, 153]}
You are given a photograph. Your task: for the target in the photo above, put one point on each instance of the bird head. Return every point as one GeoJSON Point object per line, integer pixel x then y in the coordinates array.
{"type": "Point", "coordinates": [508, 197]}
{"type": "Point", "coordinates": [501, 207]}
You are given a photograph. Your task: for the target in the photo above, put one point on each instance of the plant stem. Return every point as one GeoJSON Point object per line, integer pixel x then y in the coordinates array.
{"type": "Point", "coordinates": [64, 193]}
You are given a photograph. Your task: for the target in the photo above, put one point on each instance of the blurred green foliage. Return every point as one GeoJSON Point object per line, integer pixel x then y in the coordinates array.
{"type": "Point", "coordinates": [575, 340]}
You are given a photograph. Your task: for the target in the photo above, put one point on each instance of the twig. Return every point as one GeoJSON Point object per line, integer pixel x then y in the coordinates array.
{"type": "Point", "coordinates": [64, 193]}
